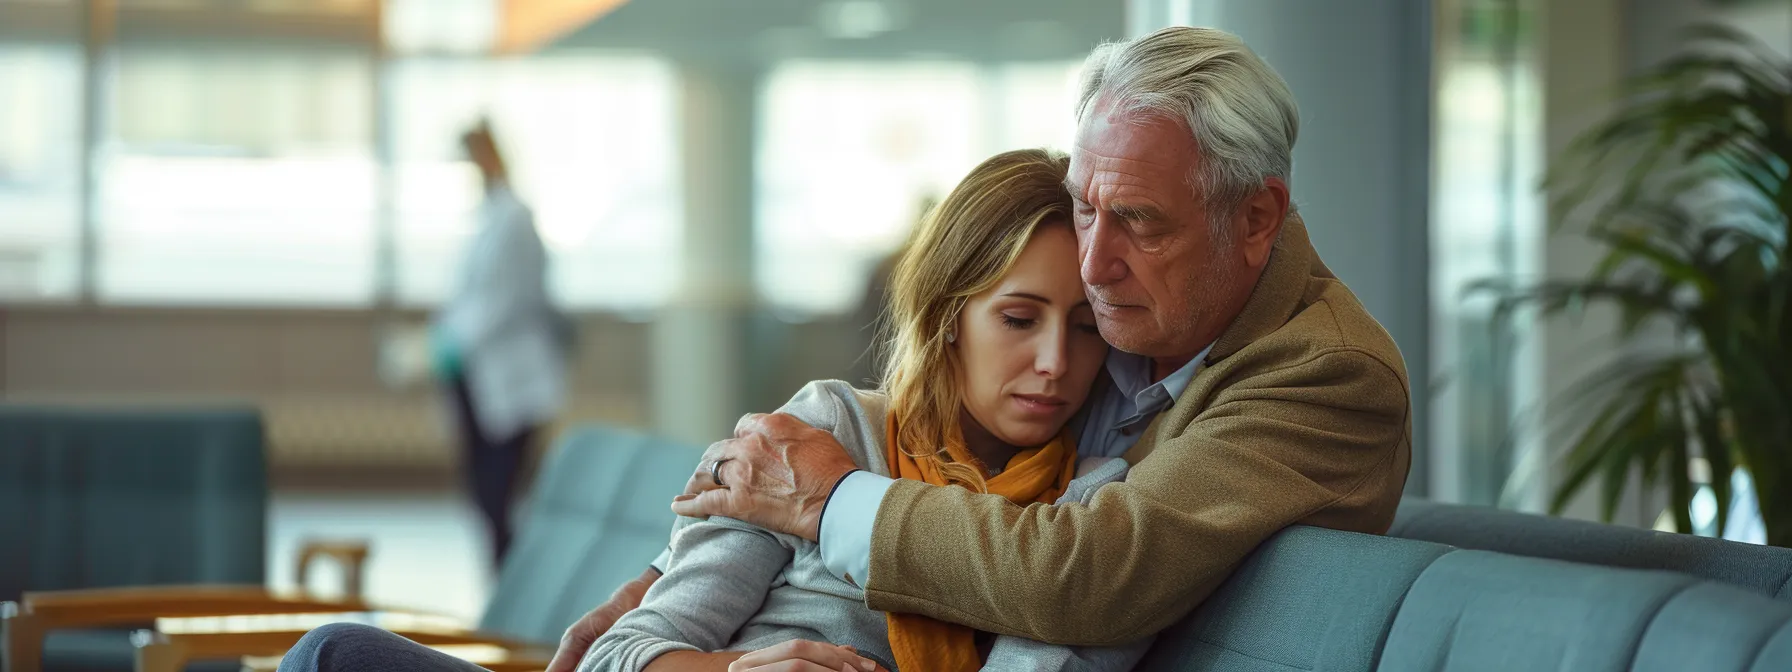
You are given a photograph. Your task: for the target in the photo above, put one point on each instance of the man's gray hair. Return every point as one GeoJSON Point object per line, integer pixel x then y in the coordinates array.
{"type": "Point", "coordinates": [1241, 112]}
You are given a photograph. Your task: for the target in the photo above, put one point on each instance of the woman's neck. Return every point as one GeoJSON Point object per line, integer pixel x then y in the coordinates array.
{"type": "Point", "coordinates": [993, 452]}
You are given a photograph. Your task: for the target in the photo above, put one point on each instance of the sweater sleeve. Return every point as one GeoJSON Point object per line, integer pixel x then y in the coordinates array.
{"type": "Point", "coordinates": [1019, 654]}
{"type": "Point", "coordinates": [717, 576]}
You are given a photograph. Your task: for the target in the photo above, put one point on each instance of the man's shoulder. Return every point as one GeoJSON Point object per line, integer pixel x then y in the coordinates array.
{"type": "Point", "coordinates": [1330, 324]}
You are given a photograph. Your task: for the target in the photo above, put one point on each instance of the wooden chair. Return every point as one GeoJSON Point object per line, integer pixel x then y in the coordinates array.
{"type": "Point", "coordinates": [176, 640]}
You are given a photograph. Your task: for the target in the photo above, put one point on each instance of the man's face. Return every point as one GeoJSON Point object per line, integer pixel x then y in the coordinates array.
{"type": "Point", "coordinates": [1160, 282]}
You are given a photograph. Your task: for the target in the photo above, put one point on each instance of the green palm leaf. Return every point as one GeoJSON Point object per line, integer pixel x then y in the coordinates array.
{"type": "Point", "coordinates": [1686, 188]}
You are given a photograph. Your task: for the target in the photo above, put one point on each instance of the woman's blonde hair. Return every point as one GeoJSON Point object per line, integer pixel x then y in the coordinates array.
{"type": "Point", "coordinates": [963, 247]}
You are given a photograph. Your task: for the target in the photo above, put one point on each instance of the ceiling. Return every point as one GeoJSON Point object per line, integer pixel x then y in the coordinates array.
{"type": "Point", "coordinates": [758, 31]}
{"type": "Point", "coordinates": [745, 32]}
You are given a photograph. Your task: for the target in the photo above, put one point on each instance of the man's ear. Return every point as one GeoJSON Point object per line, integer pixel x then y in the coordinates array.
{"type": "Point", "coordinates": [1262, 215]}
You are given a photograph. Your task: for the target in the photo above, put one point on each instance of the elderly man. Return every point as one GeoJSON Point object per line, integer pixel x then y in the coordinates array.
{"type": "Point", "coordinates": [1250, 389]}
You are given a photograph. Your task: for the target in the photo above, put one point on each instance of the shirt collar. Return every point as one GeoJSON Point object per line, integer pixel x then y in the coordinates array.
{"type": "Point", "coordinates": [1132, 377]}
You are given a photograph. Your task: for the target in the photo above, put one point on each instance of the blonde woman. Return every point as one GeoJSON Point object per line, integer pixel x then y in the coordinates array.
{"type": "Point", "coordinates": [992, 349]}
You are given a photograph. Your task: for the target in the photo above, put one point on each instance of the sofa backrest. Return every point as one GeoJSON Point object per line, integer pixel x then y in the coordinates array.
{"type": "Point", "coordinates": [1317, 599]}
{"type": "Point", "coordinates": [1776, 654]}
{"type": "Point", "coordinates": [93, 498]}
{"type": "Point", "coordinates": [1475, 610]}
{"type": "Point", "coordinates": [599, 513]}
{"type": "Point", "coordinates": [1307, 599]}
{"type": "Point", "coordinates": [1714, 626]}
{"type": "Point", "coordinates": [1763, 570]}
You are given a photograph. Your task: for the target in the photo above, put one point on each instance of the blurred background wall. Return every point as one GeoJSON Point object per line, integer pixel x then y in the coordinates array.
{"type": "Point", "coordinates": [243, 199]}
{"type": "Point", "coordinates": [261, 200]}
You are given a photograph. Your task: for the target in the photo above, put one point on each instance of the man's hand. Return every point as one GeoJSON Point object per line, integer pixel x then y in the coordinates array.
{"type": "Point", "coordinates": [594, 624]}
{"type": "Point", "coordinates": [799, 655]}
{"type": "Point", "coordinates": [776, 473]}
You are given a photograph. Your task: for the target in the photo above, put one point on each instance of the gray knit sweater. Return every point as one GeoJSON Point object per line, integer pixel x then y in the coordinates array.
{"type": "Point", "coordinates": [730, 586]}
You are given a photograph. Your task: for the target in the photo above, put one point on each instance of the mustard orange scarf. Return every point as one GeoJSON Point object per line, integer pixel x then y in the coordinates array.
{"type": "Point", "coordinates": [922, 644]}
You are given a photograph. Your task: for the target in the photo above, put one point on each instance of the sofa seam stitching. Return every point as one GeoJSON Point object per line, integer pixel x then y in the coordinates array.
{"type": "Point", "coordinates": [1223, 647]}
{"type": "Point", "coordinates": [1637, 643]}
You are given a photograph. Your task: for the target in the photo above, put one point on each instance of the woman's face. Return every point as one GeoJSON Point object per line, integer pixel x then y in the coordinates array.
{"type": "Point", "coordinates": [1028, 347]}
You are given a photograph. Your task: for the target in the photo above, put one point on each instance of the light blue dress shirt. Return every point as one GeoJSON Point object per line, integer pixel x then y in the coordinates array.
{"type": "Point", "coordinates": [1119, 415]}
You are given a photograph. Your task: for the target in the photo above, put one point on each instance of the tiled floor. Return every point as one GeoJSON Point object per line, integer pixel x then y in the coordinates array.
{"type": "Point", "coordinates": [428, 549]}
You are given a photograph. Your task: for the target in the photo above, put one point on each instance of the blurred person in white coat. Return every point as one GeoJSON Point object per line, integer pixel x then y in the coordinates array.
{"type": "Point", "coordinates": [499, 345]}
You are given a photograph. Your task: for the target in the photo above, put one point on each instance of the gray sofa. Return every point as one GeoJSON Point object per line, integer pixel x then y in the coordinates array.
{"type": "Point", "coordinates": [1314, 599]}
{"type": "Point", "coordinates": [1308, 599]}
{"type": "Point", "coordinates": [1765, 570]}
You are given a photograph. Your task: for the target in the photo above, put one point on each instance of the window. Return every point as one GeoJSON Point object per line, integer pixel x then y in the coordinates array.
{"type": "Point", "coordinates": [589, 139]}
{"type": "Point", "coordinates": [1485, 141]}
{"type": "Point", "coordinates": [40, 163]}
{"type": "Point", "coordinates": [850, 152]}
{"type": "Point", "coordinates": [1036, 103]}
{"type": "Point", "coordinates": [238, 176]}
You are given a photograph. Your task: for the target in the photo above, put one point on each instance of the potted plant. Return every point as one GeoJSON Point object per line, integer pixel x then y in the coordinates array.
{"type": "Point", "coordinates": [1686, 187]}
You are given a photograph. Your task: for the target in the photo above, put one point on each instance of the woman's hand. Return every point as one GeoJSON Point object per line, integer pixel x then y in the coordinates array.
{"type": "Point", "coordinates": [799, 655]}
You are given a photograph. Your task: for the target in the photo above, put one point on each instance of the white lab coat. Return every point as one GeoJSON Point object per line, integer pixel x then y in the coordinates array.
{"type": "Point", "coordinates": [504, 324]}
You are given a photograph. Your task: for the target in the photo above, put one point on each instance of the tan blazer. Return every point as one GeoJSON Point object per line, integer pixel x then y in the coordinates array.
{"type": "Point", "coordinates": [1301, 415]}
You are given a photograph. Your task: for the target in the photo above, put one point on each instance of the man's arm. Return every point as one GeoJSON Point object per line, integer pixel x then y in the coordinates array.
{"type": "Point", "coordinates": [1019, 653]}
{"type": "Point", "coordinates": [1272, 450]}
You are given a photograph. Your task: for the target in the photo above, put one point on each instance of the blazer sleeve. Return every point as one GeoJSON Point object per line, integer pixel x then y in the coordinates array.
{"type": "Point", "coordinates": [1269, 450]}
{"type": "Point", "coordinates": [1010, 653]}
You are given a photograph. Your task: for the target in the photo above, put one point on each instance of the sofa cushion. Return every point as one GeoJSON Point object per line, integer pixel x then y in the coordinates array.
{"type": "Point", "coordinates": [1711, 626]}
{"type": "Point", "coordinates": [1307, 599]}
{"type": "Point", "coordinates": [599, 514]}
{"type": "Point", "coordinates": [1776, 654]}
{"type": "Point", "coordinates": [1474, 610]}
{"type": "Point", "coordinates": [1763, 570]}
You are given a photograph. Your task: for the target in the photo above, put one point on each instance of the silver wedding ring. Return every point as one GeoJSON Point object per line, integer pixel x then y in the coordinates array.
{"type": "Point", "coordinates": [715, 471]}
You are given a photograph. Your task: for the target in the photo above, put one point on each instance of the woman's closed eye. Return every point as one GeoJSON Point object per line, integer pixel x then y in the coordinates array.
{"type": "Point", "coordinates": [1017, 323]}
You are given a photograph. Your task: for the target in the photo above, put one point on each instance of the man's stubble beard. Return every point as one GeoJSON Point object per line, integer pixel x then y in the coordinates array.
{"type": "Point", "coordinates": [1207, 294]}
{"type": "Point", "coordinates": [1210, 293]}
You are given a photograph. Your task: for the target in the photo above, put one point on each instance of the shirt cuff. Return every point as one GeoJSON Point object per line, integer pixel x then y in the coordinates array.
{"type": "Point", "coordinates": [659, 563]}
{"type": "Point", "coordinates": [846, 525]}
